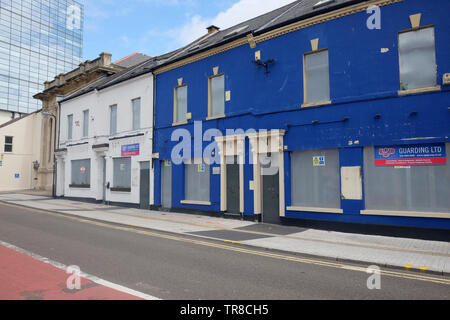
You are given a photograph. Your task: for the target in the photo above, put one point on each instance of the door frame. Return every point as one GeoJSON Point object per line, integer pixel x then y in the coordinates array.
{"type": "Point", "coordinates": [229, 183]}
{"type": "Point", "coordinates": [162, 166]}
{"type": "Point", "coordinates": [149, 182]}
{"type": "Point", "coordinates": [101, 159]}
{"type": "Point", "coordinates": [104, 179]}
{"type": "Point", "coordinates": [60, 173]}
{"type": "Point", "coordinates": [232, 145]}
{"type": "Point", "coordinates": [265, 142]}
{"type": "Point", "coordinates": [263, 177]}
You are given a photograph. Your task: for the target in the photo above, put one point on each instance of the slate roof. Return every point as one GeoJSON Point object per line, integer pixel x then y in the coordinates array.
{"type": "Point", "coordinates": [132, 60]}
{"type": "Point", "coordinates": [132, 72]}
{"type": "Point", "coordinates": [109, 80]}
{"type": "Point", "coordinates": [293, 12]}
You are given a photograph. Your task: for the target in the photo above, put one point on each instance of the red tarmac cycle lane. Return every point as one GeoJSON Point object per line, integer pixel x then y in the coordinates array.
{"type": "Point", "coordinates": [25, 278]}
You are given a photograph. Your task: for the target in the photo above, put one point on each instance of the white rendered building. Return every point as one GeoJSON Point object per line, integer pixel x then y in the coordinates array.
{"type": "Point", "coordinates": [104, 152]}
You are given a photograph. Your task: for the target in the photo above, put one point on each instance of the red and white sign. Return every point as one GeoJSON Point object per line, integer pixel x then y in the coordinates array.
{"type": "Point", "coordinates": [83, 169]}
{"type": "Point", "coordinates": [411, 155]}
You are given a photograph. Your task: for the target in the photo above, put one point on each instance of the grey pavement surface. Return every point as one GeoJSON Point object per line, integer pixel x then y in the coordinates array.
{"type": "Point", "coordinates": [434, 256]}
{"type": "Point", "coordinates": [181, 267]}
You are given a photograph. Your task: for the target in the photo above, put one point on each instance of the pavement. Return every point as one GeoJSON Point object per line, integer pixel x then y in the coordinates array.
{"type": "Point", "coordinates": [405, 253]}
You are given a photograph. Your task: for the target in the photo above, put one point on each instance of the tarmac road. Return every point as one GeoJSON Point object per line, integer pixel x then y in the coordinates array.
{"type": "Point", "coordinates": [176, 267]}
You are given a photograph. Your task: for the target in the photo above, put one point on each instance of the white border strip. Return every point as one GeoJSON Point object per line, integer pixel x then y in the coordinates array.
{"type": "Point", "coordinates": [313, 209]}
{"type": "Point", "coordinates": [416, 214]}
{"type": "Point", "coordinates": [82, 274]}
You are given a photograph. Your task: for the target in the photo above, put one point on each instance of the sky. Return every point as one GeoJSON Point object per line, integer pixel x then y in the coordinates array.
{"type": "Point", "coordinates": [155, 27]}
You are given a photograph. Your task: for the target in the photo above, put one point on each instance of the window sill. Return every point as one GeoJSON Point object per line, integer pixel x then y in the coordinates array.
{"type": "Point", "coordinates": [175, 124]}
{"type": "Point", "coordinates": [418, 90]}
{"type": "Point", "coordinates": [120, 189]}
{"type": "Point", "coordinates": [316, 104]}
{"type": "Point", "coordinates": [80, 186]}
{"type": "Point", "coordinates": [441, 215]}
{"type": "Point", "coordinates": [200, 203]}
{"type": "Point", "coordinates": [314, 209]}
{"type": "Point", "coordinates": [215, 117]}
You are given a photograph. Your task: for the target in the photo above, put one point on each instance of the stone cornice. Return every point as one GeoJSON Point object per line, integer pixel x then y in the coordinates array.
{"type": "Point", "coordinates": [86, 72]}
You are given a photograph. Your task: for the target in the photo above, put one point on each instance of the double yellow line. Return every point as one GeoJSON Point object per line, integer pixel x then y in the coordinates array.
{"type": "Point", "coordinates": [231, 246]}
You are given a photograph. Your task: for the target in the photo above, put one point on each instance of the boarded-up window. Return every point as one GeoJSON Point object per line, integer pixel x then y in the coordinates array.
{"type": "Point", "coordinates": [136, 105]}
{"type": "Point", "coordinates": [81, 173]}
{"type": "Point", "coordinates": [113, 120]}
{"type": "Point", "coordinates": [316, 178]}
{"type": "Point", "coordinates": [181, 104]}
{"type": "Point", "coordinates": [197, 182]}
{"type": "Point", "coordinates": [217, 96]}
{"type": "Point", "coordinates": [317, 77]}
{"type": "Point", "coordinates": [415, 188]}
{"type": "Point", "coordinates": [417, 59]}
{"type": "Point", "coordinates": [122, 173]}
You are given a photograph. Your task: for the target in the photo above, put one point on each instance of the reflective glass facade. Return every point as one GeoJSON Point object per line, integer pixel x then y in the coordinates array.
{"type": "Point", "coordinates": [39, 39]}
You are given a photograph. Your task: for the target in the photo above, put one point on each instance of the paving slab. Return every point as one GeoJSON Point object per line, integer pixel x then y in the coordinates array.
{"type": "Point", "coordinates": [229, 235]}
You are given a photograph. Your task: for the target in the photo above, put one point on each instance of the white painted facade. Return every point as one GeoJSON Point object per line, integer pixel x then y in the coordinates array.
{"type": "Point", "coordinates": [106, 147]}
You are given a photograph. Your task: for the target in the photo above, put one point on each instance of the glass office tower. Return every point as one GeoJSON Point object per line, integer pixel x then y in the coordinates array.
{"type": "Point", "coordinates": [39, 39]}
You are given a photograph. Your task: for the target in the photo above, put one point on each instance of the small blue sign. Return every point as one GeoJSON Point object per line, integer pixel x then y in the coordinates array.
{"type": "Point", "coordinates": [17, 176]}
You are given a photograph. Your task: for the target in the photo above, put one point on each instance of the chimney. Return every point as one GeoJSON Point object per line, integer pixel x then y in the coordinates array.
{"type": "Point", "coordinates": [105, 58]}
{"type": "Point", "coordinates": [212, 29]}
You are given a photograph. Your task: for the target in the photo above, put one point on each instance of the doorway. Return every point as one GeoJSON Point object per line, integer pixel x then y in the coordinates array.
{"type": "Point", "coordinates": [271, 199]}
{"type": "Point", "coordinates": [104, 180]}
{"type": "Point", "coordinates": [144, 188]}
{"type": "Point", "coordinates": [233, 190]}
{"type": "Point", "coordinates": [166, 184]}
{"type": "Point", "coordinates": [270, 188]}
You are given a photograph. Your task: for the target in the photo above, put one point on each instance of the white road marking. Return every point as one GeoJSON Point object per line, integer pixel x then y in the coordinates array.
{"type": "Point", "coordinates": [82, 274]}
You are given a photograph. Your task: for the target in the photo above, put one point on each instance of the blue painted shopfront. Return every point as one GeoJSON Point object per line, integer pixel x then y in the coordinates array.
{"type": "Point", "coordinates": [366, 109]}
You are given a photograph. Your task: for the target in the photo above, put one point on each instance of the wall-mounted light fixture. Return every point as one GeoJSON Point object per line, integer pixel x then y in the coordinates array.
{"type": "Point", "coordinates": [264, 64]}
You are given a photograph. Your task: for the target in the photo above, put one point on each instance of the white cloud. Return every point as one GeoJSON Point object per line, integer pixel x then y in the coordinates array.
{"type": "Point", "coordinates": [241, 11]}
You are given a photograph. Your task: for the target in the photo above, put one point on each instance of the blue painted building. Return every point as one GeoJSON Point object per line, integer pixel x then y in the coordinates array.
{"type": "Point", "coordinates": [344, 115]}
